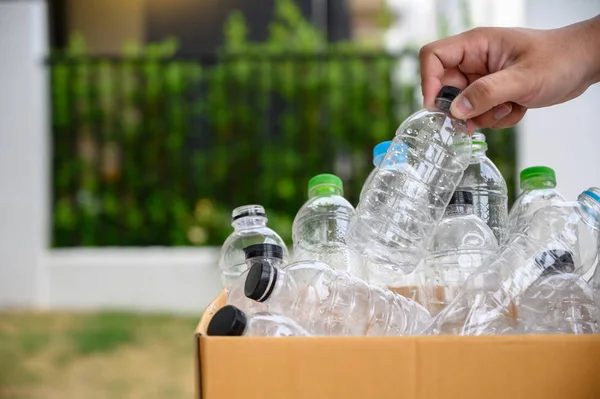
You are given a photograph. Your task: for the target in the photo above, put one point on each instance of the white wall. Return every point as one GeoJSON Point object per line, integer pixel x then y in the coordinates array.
{"type": "Point", "coordinates": [23, 149]}
{"type": "Point", "coordinates": [180, 280]}
{"type": "Point", "coordinates": [566, 136]}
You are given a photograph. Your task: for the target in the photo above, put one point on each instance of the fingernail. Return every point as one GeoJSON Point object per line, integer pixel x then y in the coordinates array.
{"type": "Point", "coordinates": [463, 107]}
{"type": "Point", "coordinates": [501, 111]}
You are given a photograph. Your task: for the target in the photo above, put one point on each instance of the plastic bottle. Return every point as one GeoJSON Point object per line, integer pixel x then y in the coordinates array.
{"type": "Point", "coordinates": [460, 245]}
{"type": "Point", "coordinates": [231, 321]}
{"type": "Point", "coordinates": [328, 301]}
{"type": "Point", "coordinates": [320, 226]}
{"type": "Point", "coordinates": [378, 153]}
{"type": "Point", "coordinates": [250, 227]}
{"type": "Point", "coordinates": [560, 303]}
{"type": "Point", "coordinates": [490, 194]}
{"type": "Point", "coordinates": [539, 190]}
{"type": "Point", "coordinates": [403, 203]}
{"type": "Point", "coordinates": [236, 296]}
{"type": "Point", "coordinates": [486, 305]}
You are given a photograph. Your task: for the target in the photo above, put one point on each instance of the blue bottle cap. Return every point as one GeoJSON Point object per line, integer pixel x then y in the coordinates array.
{"type": "Point", "coordinates": [381, 148]}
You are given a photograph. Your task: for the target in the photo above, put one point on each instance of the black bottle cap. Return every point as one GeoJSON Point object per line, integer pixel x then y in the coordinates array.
{"type": "Point", "coordinates": [555, 261]}
{"type": "Point", "coordinates": [264, 250]}
{"type": "Point", "coordinates": [461, 198]}
{"type": "Point", "coordinates": [228, 321]}
{"type": "Point", "coordinates": [449, 92]}
{"type": "Point", "coordinates": [257, 285]}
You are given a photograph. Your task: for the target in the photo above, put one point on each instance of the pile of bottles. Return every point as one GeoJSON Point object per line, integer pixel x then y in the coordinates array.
{"type": "Point", "coordinates": [430, 249]}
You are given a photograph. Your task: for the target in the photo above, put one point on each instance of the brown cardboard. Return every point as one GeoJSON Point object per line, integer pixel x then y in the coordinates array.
{"type": "Point", "coordinates": [442, 367]}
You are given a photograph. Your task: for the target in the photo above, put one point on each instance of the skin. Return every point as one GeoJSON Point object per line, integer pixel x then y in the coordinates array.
{"type": "Point", "coordinates": [505, 71]}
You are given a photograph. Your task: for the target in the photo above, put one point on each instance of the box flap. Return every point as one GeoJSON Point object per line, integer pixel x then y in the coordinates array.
{"type": "Point", "coordinates": [211, 309]}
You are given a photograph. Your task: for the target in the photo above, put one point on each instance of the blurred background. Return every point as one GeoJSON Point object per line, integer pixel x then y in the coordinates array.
{"type": "Point", "coordinates": [131, 128]}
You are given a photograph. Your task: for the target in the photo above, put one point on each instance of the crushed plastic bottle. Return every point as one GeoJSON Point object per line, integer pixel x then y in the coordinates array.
{"type": "Point", "coordinates": [328, 301]}
{"type": "Point", "coordinates": [320, 226]}
{"type": "Point", "coordinates": [250, 227]}
{"type": "Point", "coordinates": [486, 305]}
{"type": "Point", "coordinates": [231, 321]}
{"type": "Point", "coordinates": [404, 202]}
{"type": "Point", "coordinates": [559, 302]}
{"type": "Point", "coordinates": [490, 194]}
{"type": "Point", "coordinates": [461, 244]}
{"type": "Point", "coordinates": [539, 190]}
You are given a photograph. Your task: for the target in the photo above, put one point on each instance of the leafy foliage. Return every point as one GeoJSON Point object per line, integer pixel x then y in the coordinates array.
{"type": "Point", "coordinates": [155, 149]}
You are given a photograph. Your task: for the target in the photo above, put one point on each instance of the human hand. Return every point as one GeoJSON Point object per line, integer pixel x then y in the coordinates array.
{"type": "Point", "coordinates": [505, 71]}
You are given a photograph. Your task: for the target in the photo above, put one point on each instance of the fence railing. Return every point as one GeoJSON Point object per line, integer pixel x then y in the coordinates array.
{"type": "Point", "coordinates": [158, 151]}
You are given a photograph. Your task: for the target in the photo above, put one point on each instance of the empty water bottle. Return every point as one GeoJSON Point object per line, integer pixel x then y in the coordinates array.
{"type": "Point", "coordinates": [486, 305]}
{"type": "Point", "coordinates": [250, 227]}
{"type": "Point", "coordinates": [320, 226]}
{"type": "Point", "coordinates": [559, 303]}
{"type": "Point", "coordinates": [328, 301]}
{"type": "Point", "coordinates": [404, 202]}
{"type": "Point", "coordinates": [490, 194]}
{"type": "Point", "coordinates": [460, 245]}
{"type": "Point", "coordinates": [378, 154]}
{"type": "Point", "coordinates": [231, 321]}
{"type": "Point", "coordinates": [539, 190]}
{"type": "Point", "coordinates": [236, 295]}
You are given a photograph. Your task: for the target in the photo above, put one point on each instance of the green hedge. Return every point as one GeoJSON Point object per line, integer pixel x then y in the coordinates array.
{"type": "Point", "coordinates": [154, 149]}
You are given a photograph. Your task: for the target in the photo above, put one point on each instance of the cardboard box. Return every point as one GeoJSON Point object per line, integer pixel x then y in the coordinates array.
{"type": "Point", "coordinates": [442, 367]}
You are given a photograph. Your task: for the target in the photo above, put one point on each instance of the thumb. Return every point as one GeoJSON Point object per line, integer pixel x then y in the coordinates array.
{"type": "Point", "coordinates": [487, 92]}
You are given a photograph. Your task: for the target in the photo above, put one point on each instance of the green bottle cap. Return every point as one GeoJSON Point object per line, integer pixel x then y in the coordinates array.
{"type": "Point", "coordinates": [325, 184]}
{"type": "Point", "coordinates": [537, 172]}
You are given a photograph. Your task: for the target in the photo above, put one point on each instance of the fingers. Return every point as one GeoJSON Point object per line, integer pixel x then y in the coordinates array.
{"type": "Point", "coordinates": [501, 116]}
{"type": "Point", "coordinates": [518, 112]}
{"type": "Point", "coordinates": [492, 116]}
{"type": "Point", "coordinates": [435, 58]}
{"type": "Point", "coordinates": [488, 92]}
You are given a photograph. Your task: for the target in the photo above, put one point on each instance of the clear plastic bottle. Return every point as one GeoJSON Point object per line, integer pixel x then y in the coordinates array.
{"type": "Point", "coordinates": [460, 245]}
{"type": "Point", "coordinates": [250, 227]}
{"type": "Point", "coordinates": [320, 226]}
{"type": "Point", "coordinates": [490, 194]}
{"type": "Point", "coordinates": [486, 305]}
{"type": "Point", "coordinates": [231, 321]}
{"type": "Point", "coordinates": [404, 202]}
{"type": "Point", "coordinates": [559, 303]}
{"type": "Point", "coordinates": [236, 296]}
{"type": "Point", "coordinates": [328, 301]}
{"type": "Point", "coordinates": [378, 153]}
{"type": "Point", "coordinates": [539, 190]}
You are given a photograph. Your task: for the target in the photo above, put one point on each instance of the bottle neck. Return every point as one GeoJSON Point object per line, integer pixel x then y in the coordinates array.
{"type": "Point", "coordinates": [590, 204]}
{"type": "Point", "coordinates": [378, 159]}
{"type": "Point", "coordinates": [537, 183]}
{"type": "Point", "coordinates": [324, 190]}
{"type": "Point", "coordinates": [478, 150]}
{"type": "Point", "coordinates": [271, 260]}
{"type": "Point", "coordinates": [443, 104]}
{"type": "Point", "coordinates": [459, 209]}
{"type": "Point", "coordinates": [249, 222]}
{"type": "Point", "coordinates": [277, 277]}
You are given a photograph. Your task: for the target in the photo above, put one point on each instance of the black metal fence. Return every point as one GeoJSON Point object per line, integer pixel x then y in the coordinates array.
{"type": "Point", "coordinates": [158, 151]}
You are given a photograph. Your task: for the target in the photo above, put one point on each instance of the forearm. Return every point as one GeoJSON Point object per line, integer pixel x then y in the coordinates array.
{"type": "Point", "coordinates": [590, 43]}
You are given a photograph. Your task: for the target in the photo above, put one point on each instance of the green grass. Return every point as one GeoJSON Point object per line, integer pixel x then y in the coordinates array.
{"type": "Point", "coordinates": [104, 332]}
{"type": "Point", "coordinates": [96, 355]}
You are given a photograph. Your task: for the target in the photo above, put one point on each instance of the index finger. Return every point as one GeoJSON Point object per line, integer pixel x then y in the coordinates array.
{"type": "Point", "coordinates": [434, 59]}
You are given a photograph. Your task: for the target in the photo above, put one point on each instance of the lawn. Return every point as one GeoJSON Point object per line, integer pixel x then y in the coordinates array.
{"type": "Point", "coordinates": [47, 355]}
